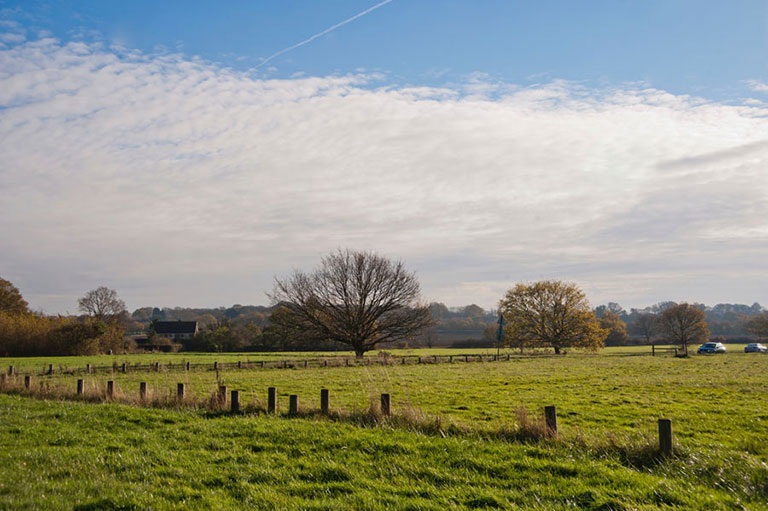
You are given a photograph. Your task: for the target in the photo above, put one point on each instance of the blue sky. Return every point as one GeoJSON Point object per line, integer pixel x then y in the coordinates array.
{"type": "Point", "coordinates": [707, 48]}
{"type": "Point", "coordinates": [619, 145]}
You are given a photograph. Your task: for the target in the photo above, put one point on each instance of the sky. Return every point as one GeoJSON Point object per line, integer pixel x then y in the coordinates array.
{"type": "Point", "coordinates": [186, 153]}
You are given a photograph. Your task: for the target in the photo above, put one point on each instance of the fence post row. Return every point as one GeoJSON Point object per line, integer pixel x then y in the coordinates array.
{"type": "Point", "coordinates": [550, 416]}
{"type": "Point", "coordinates": [385, 404]}
{"type": "Point", "coordinates": [235, 399]}
{"type": "Point", "coordinates": [271, 400]}
{"type": "Point", "coordinates": [665, 436]}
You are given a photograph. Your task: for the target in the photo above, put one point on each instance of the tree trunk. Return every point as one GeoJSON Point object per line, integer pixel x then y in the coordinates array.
{"type": "Point", "coordinates": [359, 352]}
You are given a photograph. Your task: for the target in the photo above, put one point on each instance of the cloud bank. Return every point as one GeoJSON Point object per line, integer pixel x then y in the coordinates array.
{"type": "Point", "coordinates": [178, 182]}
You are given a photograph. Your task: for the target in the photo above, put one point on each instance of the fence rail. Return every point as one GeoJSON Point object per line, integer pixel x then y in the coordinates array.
{"type": "Point", "coordinates": [318, 362]}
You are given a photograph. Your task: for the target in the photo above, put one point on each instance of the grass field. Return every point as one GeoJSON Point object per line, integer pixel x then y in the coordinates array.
{"type": "Point", "coordinates": [607, 403]}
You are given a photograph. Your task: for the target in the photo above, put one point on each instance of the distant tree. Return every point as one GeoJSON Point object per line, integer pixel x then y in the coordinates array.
{"type": "Point", "coordinates": [613, 307]}
{"type": "Point", "coordinates": [684, 324]}
{"type": "Point", "coordinates": [551, 313]}
{"type": "Point", "coordinates": [103, 304]}
{"type": "Point", "coordinates": [617, 329]}
{"type": "Point", "coordinates": [646, 324]}
{"type": "Point", "coordinates": [355, 298]}
{"type": "Point", "coordinates": [758, 325]}
{"type": "Point", "coordinates": [474, 311]}
{"type": "Point", "coordinates": [11, 301]}
{"type": "Point", "coordinates": [144, 314]}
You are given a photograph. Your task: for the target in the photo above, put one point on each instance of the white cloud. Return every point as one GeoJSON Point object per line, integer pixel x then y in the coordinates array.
{"type": "Point", "coordinates": [179, 183]}
{"type": "Point", "coordinates": [757, 85]}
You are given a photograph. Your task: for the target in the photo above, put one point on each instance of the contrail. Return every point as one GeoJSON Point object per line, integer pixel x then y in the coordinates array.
{"type": "Point", "coordinates": [321, 34]}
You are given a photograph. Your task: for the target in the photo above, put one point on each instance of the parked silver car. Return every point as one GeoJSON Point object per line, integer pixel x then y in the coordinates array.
{"type": "Point", "coordinates": [755, 347]}
{"type": "Point", "coordinates": [711, 347]}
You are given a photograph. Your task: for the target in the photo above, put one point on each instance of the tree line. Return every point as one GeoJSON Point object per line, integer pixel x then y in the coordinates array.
{"type": "Point", "coordinates": [361, 301]}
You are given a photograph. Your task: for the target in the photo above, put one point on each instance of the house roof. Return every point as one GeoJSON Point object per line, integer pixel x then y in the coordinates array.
{"type": "Point", "coordinates": [175, 327]}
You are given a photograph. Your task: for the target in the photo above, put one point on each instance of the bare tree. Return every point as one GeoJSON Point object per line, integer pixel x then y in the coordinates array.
{"type": "Point", "coordinates": [647, 325]}
{"type": "Point", "coordinates": [102, 304]}
{"type": "Point", "coordinates": [684, 324]}
{"type": "Point", "coordinates": [355, 298]}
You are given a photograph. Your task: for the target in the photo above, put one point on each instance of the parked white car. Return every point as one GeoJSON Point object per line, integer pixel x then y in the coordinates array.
{"type": "Point", "coordinates": [755, 347]}
{"type": "Point", "coordinates": [711, 347]}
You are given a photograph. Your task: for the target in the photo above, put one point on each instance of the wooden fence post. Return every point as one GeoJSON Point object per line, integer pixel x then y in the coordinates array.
{"type": "Point", "coordinates": [111, 389]}
{"type": "Point", "coordinates": [10, 371]}
{"type": "Point", "coordinates": [239, 364]}
{"type": "Point", "coordinates": [180, 391]}
{"type": "Point", "coordinates": [79, 387]}
{"type": "Point", "coordinates": [325, 401]}
{"type": "Point", "coordinates": [403, 360]}
{"type": "Point", "coordinates": [215, 366]}
{"type": "Point", "coordinates": [305, 364]}
{"type": "Point", "coordinates": [27, 381]}
{"type": "Point", "coordinates": [346, 361]}
{"type": "Point", "coordinates": [653, 350]}
{"type": "Point", "coordinates": [466, 358]}
{"type": "Point", "coordinates": [550, 417]}
{"type": "Point", "coordinates": [157, 367]}
{"type": "Point", "coordinates": [665, 436]}
{"type": "Point", "coordinates": [235, 401]}
{"type": "Point", "coordinates": [222, 395]}
{"type": "Point", "coordinates": [187, 366]}
{"type": "Point", "coordinates": [293, 404]}
{"type": "Point", "coordinates": [325, 363]}
{"type": "Point", "coordinates": [271, 400]}
{"type": "Point", "coordinates": [124, 367]}
{"type": "Point", "coordinates": [143, 390]}
{"type": "Point", "coordinates": [261, 364]}
{"type": "Point", "coordinates": [419, 360]}
{"type": "Point", "coordinates": [88, 368]}
{"type": "Point", "coordinates": [50, 368]}
{"type": "Point", "coordinates": [385, 405]}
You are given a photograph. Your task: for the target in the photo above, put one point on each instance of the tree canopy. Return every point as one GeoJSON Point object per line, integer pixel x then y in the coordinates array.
{"type": "Point", "coordinates": [355, 298]}
{"type": "Point", "coordinates": [684, 324]}
{"type": "Point", "coordinates": [11, 301]}
{"type": "Point", "coordinates": [103, 304]}
{"type": "Point", "coordinates": [551, 313]}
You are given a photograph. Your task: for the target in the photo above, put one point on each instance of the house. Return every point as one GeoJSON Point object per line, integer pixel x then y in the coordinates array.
{"type": "Point", "coordinates": [175, 330]}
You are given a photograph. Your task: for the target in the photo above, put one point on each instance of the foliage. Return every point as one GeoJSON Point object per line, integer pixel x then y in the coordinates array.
{"type": "Point", "coordinates": [684, 324]}
{"type": "Point", "coordinates": [617, 329]}
{"type": "Point", "coordinates": [11, 301]}
{"type": "Point", "coordinates": [223, 336]}
{"type": "Point", "coordinates": [758, 325]}
{"type": "Point", "coordinates": [550, 313]}
{"type": "Point", "coordinates": [358, 299]}
{"type": "Point", "coordinates": [33, 335]}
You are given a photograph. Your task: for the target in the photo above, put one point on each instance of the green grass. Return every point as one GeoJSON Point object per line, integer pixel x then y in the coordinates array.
{"type": "Point", "coordinates": [40, 364]}
{"type": "Point", "coordinates": [607, 403]}
{"type": "Point", "coordinates": [66, 455]}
